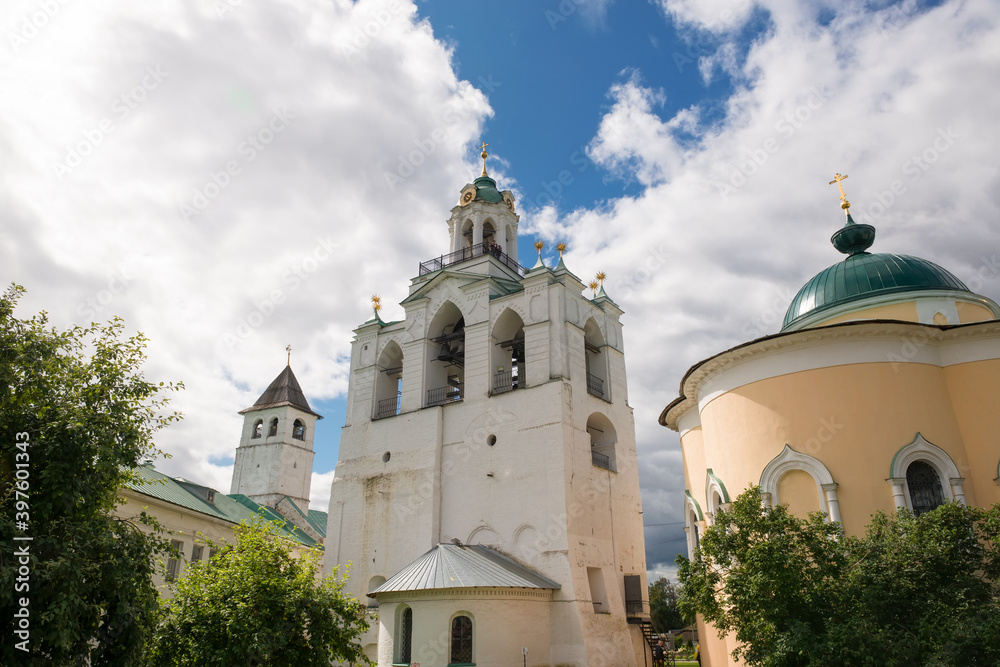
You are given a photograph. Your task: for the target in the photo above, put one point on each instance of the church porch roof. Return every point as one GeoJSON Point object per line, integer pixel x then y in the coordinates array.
{"type": "Point", "coordinates": [463, 566]}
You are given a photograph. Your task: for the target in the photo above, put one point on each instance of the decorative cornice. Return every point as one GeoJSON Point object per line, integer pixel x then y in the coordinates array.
{"type": "Point", "coordinates": [541, 594]}
{"type": "Point", "coordinates": [927, 334]}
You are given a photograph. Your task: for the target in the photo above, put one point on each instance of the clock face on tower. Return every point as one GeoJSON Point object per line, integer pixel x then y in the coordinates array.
{"type": "Point", "coordinates": [507, 199]}
{"type": "Point", "coordinates": [468, 194]}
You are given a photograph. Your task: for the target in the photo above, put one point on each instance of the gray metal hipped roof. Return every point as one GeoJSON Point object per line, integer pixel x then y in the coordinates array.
{"type": "Point", "coordinates": [284, 390]}
{"type": "Point", "coordinates": [458, 566]}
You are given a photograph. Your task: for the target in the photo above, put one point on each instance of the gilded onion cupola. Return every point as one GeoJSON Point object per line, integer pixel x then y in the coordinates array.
{"type": "Point", "coordinates": [882, 286]}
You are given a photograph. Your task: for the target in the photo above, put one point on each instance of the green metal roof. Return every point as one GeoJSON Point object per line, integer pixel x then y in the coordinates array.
{"type": "Point", "coordinates": [234, 508]}
{"type": "Point", "coordinates": [486, 189]}
{"type": "Point", "coordinates": [863, 275]}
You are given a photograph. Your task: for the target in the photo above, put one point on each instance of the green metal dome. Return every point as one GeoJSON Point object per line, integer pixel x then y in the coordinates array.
{"type": "Point", "coordinates": [863, 275]}
{"type": "Point", "coordinates": [486, 189]}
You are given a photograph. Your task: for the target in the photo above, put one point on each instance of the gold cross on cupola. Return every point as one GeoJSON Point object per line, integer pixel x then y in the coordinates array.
{"type": "Point", "coordinates": [484, 155]}
{"type": "Point", "coordinates": [844, 204]}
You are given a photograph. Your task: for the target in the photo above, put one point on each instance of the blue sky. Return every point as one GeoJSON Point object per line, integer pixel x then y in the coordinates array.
{"type": "Point", "coordinates": [220, 174]}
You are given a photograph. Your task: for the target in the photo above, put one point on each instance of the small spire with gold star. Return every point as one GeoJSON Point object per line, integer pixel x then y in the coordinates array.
{"type": "Point", "coordinates": [484, 155]}
{"type": "Point", "coordinates": [561, 266]}
{"type": "Point", "coordinates": [599, 280]}
{"type": "Point", "coordinates": [376, 301]}
{"type": "Point", "coordinates": [539, 246]}
{"type": "Point", "coordinates": [593, 285]}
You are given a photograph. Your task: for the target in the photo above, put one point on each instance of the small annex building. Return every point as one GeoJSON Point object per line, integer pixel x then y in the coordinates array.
{"type": "Point", "coordinates": [879, 392]}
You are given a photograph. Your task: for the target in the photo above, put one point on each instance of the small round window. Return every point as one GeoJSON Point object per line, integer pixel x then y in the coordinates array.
{"type": "Point", "coordinates": [491, 440]}
{"type": "Point", "coordinates": [386, 457]}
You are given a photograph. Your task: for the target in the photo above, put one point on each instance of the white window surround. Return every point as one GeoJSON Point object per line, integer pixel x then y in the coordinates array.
{"type": "Point", "coordinates": [714, 488]}
{"type": "Point", "coordinates": [789, 460]}
{"type": "Point", "coordinates": [691, 506]}
{"type": "Point", "coordinates": [923, 450]}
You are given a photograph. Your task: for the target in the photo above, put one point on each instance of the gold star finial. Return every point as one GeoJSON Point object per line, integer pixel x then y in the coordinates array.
{"type": "Point", "coordinates": [600, 277]}
{"type": "Point", "coordinates": [561, 248]}
{"type": "Point", "coordinates": [484, 155]}
{"type": "Point", "coordinates": [288, 349]}
{"type": "Point", "coordinates": [376, 302]}
{"type": "Point", "coordinates": [844, 204]}
{"type": "Point", "coordinates": [539, 245]}
{"type": "Point", "coordinates": [593, 286]}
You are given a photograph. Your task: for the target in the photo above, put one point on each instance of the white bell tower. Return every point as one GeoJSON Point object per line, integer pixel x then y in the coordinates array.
{"type": "Point", "coordinates": [275, 456]}
{"type": "Point", "coordinates": [487, 491]}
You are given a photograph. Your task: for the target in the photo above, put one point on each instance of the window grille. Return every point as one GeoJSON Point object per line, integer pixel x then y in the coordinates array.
{"type": "Point", "coordinates": [461, 640]}
{"type": "Point", "coordinates": [405, 635]}
{"type": "Point", "coordinates": [273, 431]}
{"type": "Point", "coordinates": [925, 487]}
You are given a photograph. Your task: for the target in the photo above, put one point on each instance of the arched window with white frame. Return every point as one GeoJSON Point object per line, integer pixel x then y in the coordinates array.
{"type": "Point", "coordinates": [404, 635]}
{"type": "Point", "coordinates": [923, 476]}
{"type": "Point", "coordinates": [717, 496]}
{"type": "Point", "coordinates": [791, 462]}
{"type": "Point", "coordinates": [258, 429]}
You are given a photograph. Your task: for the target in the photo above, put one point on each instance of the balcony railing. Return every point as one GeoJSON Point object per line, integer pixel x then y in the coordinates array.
{"type": "Point", "coordinates": [471, 252]}
{"type": "Point", "coordinates": [636, 609]}
{"type": "Point", "coordinates": [595, 386]}
{"type": "Point", "coordinates": [388, 407]}
{"type": "Point", "coordinates": [504, 382]}
{"type": "Point", "coordinates": [602, 461]}
{"type": "Point", "coordinates": [443, 395]}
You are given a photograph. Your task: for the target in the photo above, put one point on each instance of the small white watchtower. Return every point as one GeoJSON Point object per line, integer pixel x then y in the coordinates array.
{"type": "Point", "coordinates": [275, 458]}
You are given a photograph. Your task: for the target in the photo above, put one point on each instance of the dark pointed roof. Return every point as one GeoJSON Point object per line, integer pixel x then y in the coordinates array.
{"type": "Point", "coordinates": [284, 390]}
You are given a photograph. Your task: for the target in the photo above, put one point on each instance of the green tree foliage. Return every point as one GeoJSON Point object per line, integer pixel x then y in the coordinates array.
{"type": "Point", "coordinates": [254, 603]}
{"type": "Point", "coordinates": [76, 415]}
{"type": "Point", "coordinates": [663, 608]}
{"type": "Point", "coordinates": [911, 591]}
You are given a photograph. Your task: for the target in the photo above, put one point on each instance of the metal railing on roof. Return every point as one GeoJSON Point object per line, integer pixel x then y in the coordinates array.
{"type": "Point", "coordinates": [471, 252]}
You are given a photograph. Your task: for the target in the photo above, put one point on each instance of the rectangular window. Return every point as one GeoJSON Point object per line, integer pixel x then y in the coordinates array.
{"type": "Point", "coordinates": [197, 553]}
{"type": "Point", "coordinates": [597, 591]}
{"type": "Point", "coordinates": [174, 564]}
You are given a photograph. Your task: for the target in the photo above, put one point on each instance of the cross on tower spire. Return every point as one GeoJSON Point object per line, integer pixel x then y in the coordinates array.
{"type": "Point", "coordinates": [288, 349]}
{"type": "Point", "coordinates": [484, 155]}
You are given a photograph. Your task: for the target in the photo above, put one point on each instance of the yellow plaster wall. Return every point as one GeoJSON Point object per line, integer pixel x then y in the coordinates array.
{"type": "Point", "coordinates": [798, 490]}
{"type": "Point", "coordinates": [896, 311]}
{"type": "Point", "coordinates": [692, 450]}
{"type": "Point", "coordinates": [974, 388]}
{"type": "Point", "coordinates": [853, 418]}
{"type": "Point", "coordinates": [973, 312]}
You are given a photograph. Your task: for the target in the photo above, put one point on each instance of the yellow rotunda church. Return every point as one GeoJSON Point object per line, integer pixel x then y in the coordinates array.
{"type": "Point", "coordinates": [881, 391]}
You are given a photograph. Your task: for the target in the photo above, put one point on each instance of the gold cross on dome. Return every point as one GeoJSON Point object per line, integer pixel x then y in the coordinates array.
{"type": "Point", "coordinates": [484, 156]}
{"type": "Point", "coordinates": [843, 197]}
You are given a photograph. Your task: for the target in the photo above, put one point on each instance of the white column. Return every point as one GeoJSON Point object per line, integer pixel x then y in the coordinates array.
{"type": "Point", "coordinates": [832, 505]}
{"type": "Point", "coordinates": [956, 489]}
{"type": "Point", "coordinates": [898, 485]}
{"type": "Point", "coordinates": [477, 231]}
